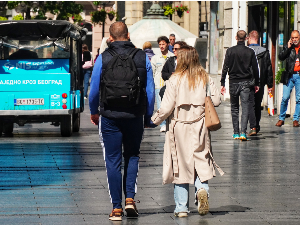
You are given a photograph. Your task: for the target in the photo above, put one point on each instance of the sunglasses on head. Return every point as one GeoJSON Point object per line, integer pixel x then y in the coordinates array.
{"type": "Point", "coordinates": [176, 48]}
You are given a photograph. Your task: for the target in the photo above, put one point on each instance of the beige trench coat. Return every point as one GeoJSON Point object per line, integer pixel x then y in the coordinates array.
{"type": "Point", "coordinates": [187, 146]}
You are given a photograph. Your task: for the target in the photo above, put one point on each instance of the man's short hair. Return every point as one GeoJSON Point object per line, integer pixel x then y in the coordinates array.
{"type": "Point", "coordinates": [163, 38]}
{"type": "Point", "coordinates": [295, 31]}
{"type": "Point", "coordinates": [254, 34]}
{"type": "Point", "coordinates": [172, 35]}
{"type": "Point", "coordinates": [241, 35]}
{"type": "Point", "coordinates": [119, 31]}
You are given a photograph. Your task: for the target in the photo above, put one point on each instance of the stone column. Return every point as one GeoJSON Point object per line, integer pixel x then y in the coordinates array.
{"type": "Point", "coordinates": [133, 12]}
{"type": "Point", "coordinates": [192, 18]}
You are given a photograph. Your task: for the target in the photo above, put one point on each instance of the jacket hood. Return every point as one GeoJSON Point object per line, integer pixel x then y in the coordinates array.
{"type": "Point", "coordinates": [148, 50]}
{"type": "Point", "coordinates": [258, 49]}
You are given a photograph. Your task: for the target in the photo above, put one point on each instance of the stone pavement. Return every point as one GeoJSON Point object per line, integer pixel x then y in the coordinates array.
{"type": "Point", "coordinates": [47, 179]}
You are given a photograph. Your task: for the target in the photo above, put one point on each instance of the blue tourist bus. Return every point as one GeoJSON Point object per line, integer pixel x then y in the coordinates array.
{"type": "Point", "coordinates": [41, 76]}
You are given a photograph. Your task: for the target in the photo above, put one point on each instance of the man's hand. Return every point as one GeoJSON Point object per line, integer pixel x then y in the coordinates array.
{"type": "Point", "coordinates": [95, 119]}
{"type": "Point", "coordinates": [290, 43]}
{"type": "Point", "coordinates": [223, 90]}
{"type": "Point", "coordinates": [256, 88]}
{"type": "Point", "coordinates": [148, 123]}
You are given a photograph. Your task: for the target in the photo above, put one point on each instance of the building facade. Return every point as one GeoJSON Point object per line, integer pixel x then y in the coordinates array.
{"type": "Point", "coordinates": [219, 21]}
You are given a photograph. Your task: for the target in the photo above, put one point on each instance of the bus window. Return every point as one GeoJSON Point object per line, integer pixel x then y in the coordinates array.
{"type": "Point", "coordinates": [42, 49]}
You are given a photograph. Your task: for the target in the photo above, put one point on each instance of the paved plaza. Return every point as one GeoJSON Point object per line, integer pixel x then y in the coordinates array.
{"type": "Point", "coordinates": [47, 179]}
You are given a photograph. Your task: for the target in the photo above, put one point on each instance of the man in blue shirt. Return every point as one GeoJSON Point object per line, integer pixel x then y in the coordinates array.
{"type": "Point", "coordinates": [171, 42]}
{"type": "Point", "coordinates": [122, 126]}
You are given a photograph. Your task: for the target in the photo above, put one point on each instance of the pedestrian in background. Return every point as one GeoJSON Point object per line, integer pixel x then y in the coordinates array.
{"type": "Point", "coordinates": [157, 62]}
{"type": "Point", "coordinates": [121, 124]}
{"type": "Point", "coordinates": [290, 78]}
{"type": "Point", "coordinates": [241, 65]}
{"type": "Point", "coordinates": [147, 47]}
{"type": "Point", "coordinates": [171, 63]}
{"type": "Point", "coordinates": [171, 42]}
{"type": "Point", "coordinates": [188, 156]}
{"type": "Point", "coordinates": [266, 77]}
{"type": "Point", "coordinates": [170, 66]}
{"type": "Point", "coordinates": [87, 66]}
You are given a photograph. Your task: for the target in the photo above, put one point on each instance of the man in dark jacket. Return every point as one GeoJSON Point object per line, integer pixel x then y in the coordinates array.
{"type": "Point", "coordinates": [266, 76]}
{"type": "Point", "coordinates": [291, 77]}
{"type": "Point", "coordinates": [240, 63]}
{"type": "Point", "coordinates": [122, 125]}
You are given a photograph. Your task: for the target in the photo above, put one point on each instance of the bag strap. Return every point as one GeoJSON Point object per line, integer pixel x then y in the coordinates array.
{"type": "Point", "coordinates": [133, 52]}
{"type": "Point", "coordinates": [112, 52]}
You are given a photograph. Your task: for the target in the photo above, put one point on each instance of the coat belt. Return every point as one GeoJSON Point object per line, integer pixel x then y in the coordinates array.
{"type": "Point", "coordinates": [173, 145]}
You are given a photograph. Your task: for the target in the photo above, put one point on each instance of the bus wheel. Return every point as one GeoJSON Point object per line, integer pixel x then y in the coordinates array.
{"type": "Point", "coordinates": [76, 122]}
{"type": "Point", "coordinates": [66, 126]}
{"type": "Point", "coordinates": [8, 128]}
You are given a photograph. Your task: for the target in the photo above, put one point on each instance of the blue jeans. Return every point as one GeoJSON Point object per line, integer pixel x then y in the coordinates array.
{"type": "Point", "coordinates": [87, 74]}
{"type": "Point", "coordinates": [158, 101]}
{"type": "Point", "coordinates": [181, 194]}
{"type": "Point", "coordinates": [294, 81]}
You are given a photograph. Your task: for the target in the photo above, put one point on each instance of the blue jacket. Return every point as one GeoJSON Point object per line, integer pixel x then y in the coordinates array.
{"type": "Point", "coordinates": [149, 52]}
{"type": "Point", "coordinates": [119, 46]}
{"type": "Point", "coordinates": [171, 48]}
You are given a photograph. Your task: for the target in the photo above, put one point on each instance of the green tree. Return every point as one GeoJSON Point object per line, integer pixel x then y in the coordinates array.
{"type": "Point", "coordinates": [63, 9]}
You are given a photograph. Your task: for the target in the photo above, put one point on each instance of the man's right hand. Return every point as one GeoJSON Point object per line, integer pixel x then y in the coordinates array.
{"type": "Point", "coordinates": [95, 119]}
{"type": "Point", "coordinates": [290, 43]}
{"type": "Point", "coordinates": [223, 90]}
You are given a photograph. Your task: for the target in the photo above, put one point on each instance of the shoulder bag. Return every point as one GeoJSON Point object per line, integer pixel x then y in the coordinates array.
{"type": "Point", "coordinates": [212, 121]}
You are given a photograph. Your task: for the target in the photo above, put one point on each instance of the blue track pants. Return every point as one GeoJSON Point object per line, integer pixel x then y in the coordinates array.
{"type": "Point", "coordinates": [113, 134]}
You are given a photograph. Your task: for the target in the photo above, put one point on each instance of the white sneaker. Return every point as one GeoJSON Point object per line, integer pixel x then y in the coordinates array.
{"type": "Point", "coordinates": [181, 214]}
{"type": "Point", "coordinates": [163, 128]}
{"type": "Point", "coordinates": [85, 98]}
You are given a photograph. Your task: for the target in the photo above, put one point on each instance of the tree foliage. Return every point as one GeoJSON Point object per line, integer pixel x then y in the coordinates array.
{"type": "Point", "coordinates": [62, 9]}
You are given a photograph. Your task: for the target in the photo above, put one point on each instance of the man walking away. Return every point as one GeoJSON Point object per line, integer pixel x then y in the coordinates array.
{"type": "Point", "coordinates": [266, 76]}
{"type": "Point", "coordinates": [157, 62]}
{"type": "Point", "coordinates": [172, 42]}
{"type": "Point", "coordinates": [290, 78]}
{"type": "Point", "coordinates": [122, 110]}
{"type": "Point", "coordinates": [240, 62]}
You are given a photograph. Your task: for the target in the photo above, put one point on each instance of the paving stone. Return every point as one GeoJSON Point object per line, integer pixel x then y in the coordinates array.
{"type": "Point", "coordinates": [47, 179]}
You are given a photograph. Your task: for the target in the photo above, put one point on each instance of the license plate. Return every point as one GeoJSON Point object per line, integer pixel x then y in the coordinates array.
{"type": "Point", "coordinates": [29, 101]}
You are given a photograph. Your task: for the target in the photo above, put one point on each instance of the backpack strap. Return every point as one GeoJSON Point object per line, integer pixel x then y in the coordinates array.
{"type": "Point", "coordinates": [133, 52]}
{"type": "Point", "coordinates": [111, 51]}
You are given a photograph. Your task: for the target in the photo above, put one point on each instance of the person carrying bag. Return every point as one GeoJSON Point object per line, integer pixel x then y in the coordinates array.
{"type": "Point", "coordinates": [188, 157]}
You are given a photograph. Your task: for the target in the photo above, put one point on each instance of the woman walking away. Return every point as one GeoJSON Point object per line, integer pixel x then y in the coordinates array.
{"type": "Point", "coordinates": [147, 47]}
{"type": "Point", "coordinates": [188, 157]}
{"type": "Point", "coordinates": [87, 66]}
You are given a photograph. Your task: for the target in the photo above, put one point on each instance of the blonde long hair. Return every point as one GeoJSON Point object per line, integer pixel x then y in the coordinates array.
{"type": "Point", "coordinates": [188, 65]}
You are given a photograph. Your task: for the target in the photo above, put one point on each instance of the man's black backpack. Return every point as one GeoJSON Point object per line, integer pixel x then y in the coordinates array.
{"type": "Point", "coordinates": [120, 83]}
